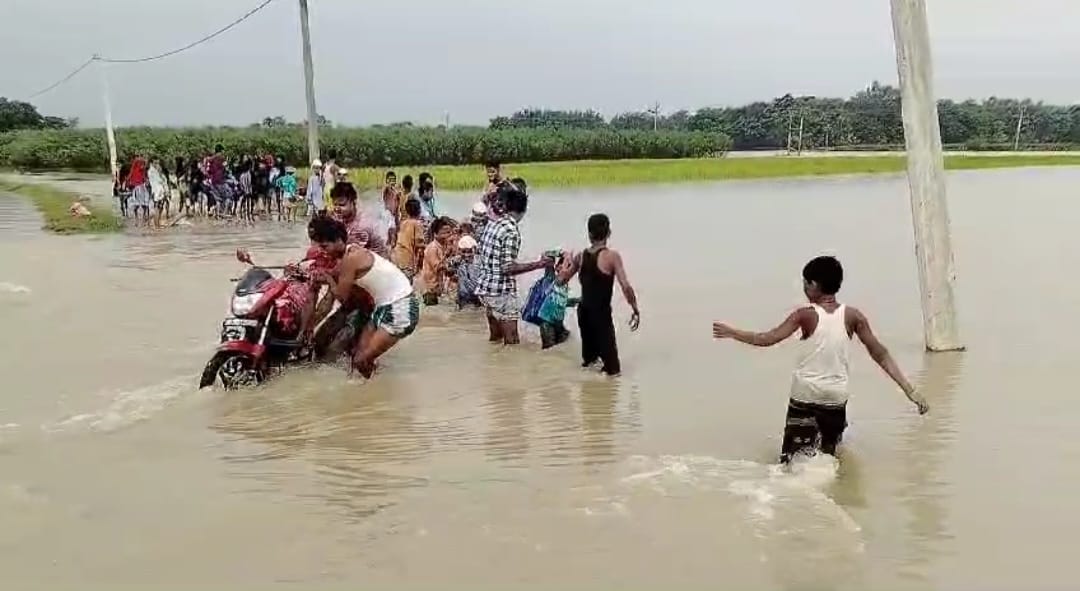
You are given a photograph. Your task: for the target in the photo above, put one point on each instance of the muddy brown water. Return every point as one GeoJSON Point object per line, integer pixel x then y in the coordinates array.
{"type": "Point", "coordinates": [463, 463]}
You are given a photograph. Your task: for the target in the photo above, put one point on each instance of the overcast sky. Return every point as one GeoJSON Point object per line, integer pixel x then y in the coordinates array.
{"type": "Point", "coordinates": [393, 60]}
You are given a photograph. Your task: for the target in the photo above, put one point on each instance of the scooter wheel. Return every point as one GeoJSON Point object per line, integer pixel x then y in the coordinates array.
{"type": "Point", "coordinates": [233, 369]}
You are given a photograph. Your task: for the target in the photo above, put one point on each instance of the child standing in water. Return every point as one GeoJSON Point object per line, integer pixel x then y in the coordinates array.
{"type": "Point", "coordinates": [288, 186]}
{"type": "Point", "coordinates": [433, 265]}
{"type": "Point", "coordinates": [552, 312]}
{"type": "Point", "coordinates": [463, 266]}
{"type": "Point", "coordinates": [409, 249]}
{"type": "Point", "coordinates": [817, 410]}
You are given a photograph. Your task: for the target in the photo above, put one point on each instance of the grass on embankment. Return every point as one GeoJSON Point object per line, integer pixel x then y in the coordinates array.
{"type": "Point", "coordinates": [54, 204]}
{"type": "Point", "coordinates": [628, 172]}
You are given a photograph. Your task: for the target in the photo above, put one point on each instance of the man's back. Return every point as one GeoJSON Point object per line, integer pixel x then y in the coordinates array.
{"type": "Point", "coordinates": [597, 284]}
{"type": "Point", "coordinates": [499, 246]}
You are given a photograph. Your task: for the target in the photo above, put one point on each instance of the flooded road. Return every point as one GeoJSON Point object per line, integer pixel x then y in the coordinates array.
{"type": "Point", "coordinates": [463, 463]}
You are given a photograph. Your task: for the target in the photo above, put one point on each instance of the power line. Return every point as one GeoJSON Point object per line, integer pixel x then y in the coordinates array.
{"type": "Point", "coordinates": [64, 79]}
{"type": "Point", "coordinates": [95, 58]}
{"type": "Point", "coordinates": [243, 18]}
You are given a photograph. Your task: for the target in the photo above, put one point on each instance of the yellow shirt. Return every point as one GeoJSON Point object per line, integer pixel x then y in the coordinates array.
{"type": "Point", "coordinates": [410, 239]}
{"type": "Point", "coordinates": [433, 268]}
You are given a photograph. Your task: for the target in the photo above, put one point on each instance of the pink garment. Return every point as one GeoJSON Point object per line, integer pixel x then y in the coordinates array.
{"type": "Point", "coordinates": [364, 231]}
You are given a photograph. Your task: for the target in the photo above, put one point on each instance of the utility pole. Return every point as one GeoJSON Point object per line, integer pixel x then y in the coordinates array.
{"type": "Point", "coordinates": [801, 118]}
{"type": "Point", "coordinates": [1019, 125]}
{"type": "Point", "coordinates": [655, 110]}
{"type": "Point", "coordinates": [110, 135]}
{"type": "Point", "coordinates": [926, 175]}
{"type": "Point", "coordinates": [309, 86]}
{"type": "Point", "coordinates": [790, 120]}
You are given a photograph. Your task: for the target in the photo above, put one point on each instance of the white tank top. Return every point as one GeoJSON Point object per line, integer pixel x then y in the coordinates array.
{"type": "Point", "coordinates": [385, 282]}
{"type": "Point", "coordinates": [821, 376]}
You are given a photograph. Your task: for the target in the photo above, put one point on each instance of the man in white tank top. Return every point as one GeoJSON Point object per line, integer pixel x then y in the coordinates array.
{"type": "Point", "coordinates": [397, 309]}
{"type": "Point", "coordinates": [817, 410]}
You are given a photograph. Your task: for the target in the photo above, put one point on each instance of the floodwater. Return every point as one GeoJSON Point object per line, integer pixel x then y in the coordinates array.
{"type": "Point", "coordinates": [466, 463]}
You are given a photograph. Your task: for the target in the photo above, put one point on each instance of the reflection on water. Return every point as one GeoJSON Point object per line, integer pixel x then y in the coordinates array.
{"type": "Point", "coordinates": [463, 462]}
{"type": "Point", "coordinates": [924, 490]}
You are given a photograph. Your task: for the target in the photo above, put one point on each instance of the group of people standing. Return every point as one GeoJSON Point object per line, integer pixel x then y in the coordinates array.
{"type": "Point", "coordinates": [388, 259]}
{"type": "Point", "coordinates": [244, 188]}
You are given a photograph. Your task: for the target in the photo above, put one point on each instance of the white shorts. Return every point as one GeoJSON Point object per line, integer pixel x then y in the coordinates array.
{"type": "Point", "coordinates": [504, 308]}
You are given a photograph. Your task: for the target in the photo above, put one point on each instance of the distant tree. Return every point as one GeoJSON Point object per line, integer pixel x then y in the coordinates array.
{"type": "Point", "coordinates": [274, 122]}
{"type": "Point", "coordinates": [15, 115]}
{"type": "Point", "coordinates": [550, 119]}
{"type": "Point", "coordinates": [635, 120]}
{"type": "Point", "coordinates": [677, 121]}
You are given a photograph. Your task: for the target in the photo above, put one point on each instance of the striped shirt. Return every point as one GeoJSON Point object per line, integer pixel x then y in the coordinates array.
{"type": "Point", "coordinates": [499, 247]}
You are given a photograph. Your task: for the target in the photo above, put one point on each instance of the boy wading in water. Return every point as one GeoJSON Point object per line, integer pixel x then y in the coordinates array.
{"type": "Point", "coordinates": [817, 411]}
{"type": "Point", "coordinates": [598, 267]}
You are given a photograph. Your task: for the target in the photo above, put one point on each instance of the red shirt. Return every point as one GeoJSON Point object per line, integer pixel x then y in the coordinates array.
{"type": "Point", "coordinates": [216, 168]}
{"type": "Point", "coordinates": [137, 176]}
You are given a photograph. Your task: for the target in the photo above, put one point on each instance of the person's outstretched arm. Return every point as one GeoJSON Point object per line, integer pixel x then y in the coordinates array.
{"type": "Point", "coordinates": [508, 254]}
{"type": "Point", "coordinates": [880, 354]}
{"type": "Point", "coordinates": [627, 289]}
{"type": "Point", "coordinates": [761, 339]}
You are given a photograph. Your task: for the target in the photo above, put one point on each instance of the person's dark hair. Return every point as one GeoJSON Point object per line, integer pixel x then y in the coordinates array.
{"type": "Point", "coordinates": [520, 184]}
{"type": "Point", "coordinates": [390, 173]}
{"type": "Point", "coordinates": [219, 148]}
{"type": "Point", "coordinates": [439, 224]}
{"type": "Point", "coordinates": [826, 272]}
{"type": "Point", "coordinates": [327, 229]}
{"type": "Point", "coordinates": [513, 199]}
{"type": "Point", "coordinates": [599, 226]}
{"type": "Point", "coordinates": [424, 177]}
{"type": "Point", "coordinates": [426, 187]}
{"type": "Point", "coordinates": [412, 208]}
{"type": "Point", "coordinates": [407, 183]}
{"type": "Point", "coordinates": [492, 164]}
{"type": "Point", "coordinates": [343, 190]}
{"type": "Point", "coordinates": [331, 154]}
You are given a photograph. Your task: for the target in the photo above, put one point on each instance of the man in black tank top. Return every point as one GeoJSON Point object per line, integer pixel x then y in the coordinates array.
{"type": "Point", "coordinates": [598, 268]}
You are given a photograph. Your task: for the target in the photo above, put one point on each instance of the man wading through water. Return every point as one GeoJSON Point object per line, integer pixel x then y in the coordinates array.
{"type": "Point", "coordinates": [360, 231]}
{"type": "Point", "coordinates": [397, 309]}
{"type": "Point", "coordinates": [598, 267]}
{"type": "Point", "coordinates": [497, 267]}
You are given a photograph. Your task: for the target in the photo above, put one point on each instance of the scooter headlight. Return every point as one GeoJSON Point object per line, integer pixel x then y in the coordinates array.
{"type": "Point", "coordinates": [243, 305]}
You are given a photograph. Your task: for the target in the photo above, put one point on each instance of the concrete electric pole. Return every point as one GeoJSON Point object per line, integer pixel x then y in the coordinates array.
{"type": "Point", "coordinates": [110, 135]}
{"type": "Point", "coordinates": [309, 86]}
{"type": "Point", "coordinates": [926, 175]}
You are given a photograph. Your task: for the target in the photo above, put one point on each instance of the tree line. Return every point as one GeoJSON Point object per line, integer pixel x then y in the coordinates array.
{"type": "Point", "coordinates": [870, 118]}
{"type": "Point", "coordinates": [86, 149]}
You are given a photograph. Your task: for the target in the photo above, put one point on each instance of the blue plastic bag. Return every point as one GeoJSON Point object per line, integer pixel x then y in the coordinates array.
{"type": "Point", "coordinates": [553, 310]}
{"type": "Point", "coordinates": [530, 312]}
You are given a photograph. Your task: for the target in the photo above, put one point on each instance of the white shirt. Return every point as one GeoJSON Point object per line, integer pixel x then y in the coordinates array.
{"type": "Point", "coordinates": [821, 376]}
{"type": "Point", "coordinates": [385, 282]}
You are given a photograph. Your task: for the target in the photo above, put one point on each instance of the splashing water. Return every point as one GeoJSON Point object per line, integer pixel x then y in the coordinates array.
{"type": "Point", "coordinates": [127, 408]}
{"type": "Point", "coordinates": [7, 287]}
